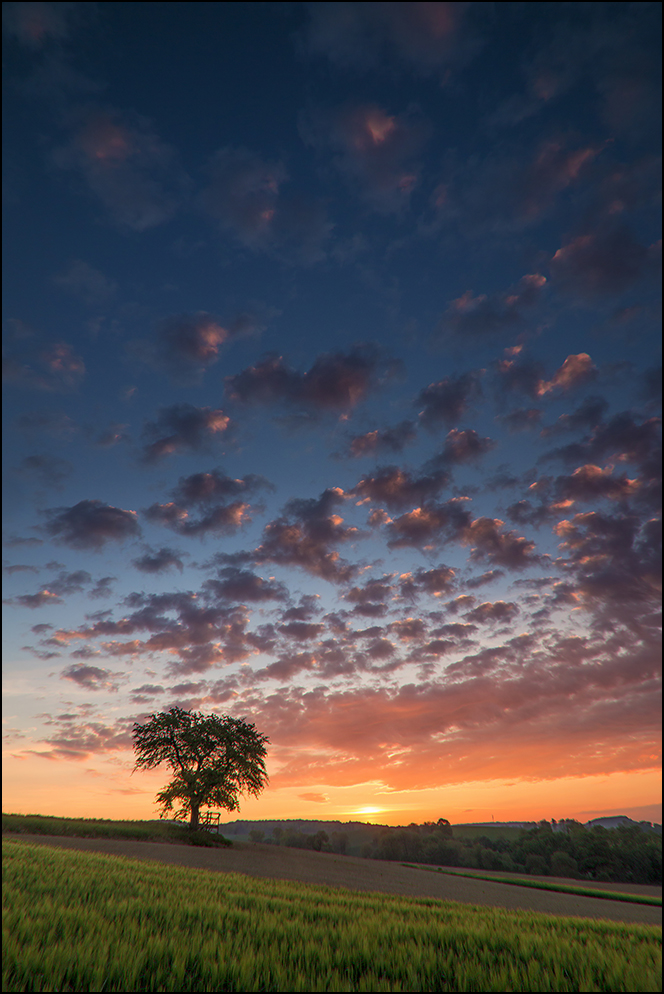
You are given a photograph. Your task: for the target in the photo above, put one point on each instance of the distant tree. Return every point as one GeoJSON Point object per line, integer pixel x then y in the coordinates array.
{"type": "Point", "coordinates": [536, 864]}
{"type": "Point", "coordinates": [256, 835]}
{"type": "Point", "coordinates": [563, 865]}
{"type": "Point", "coordinates": [318, 841]}
{"type": "Point", "coordinates": [214, 760]}
{"type": "Point", "coordinates": [339, 842]}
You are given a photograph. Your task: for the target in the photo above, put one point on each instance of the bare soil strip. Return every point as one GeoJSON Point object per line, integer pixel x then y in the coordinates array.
{"type": "Point", "coordinates": [357, 874]}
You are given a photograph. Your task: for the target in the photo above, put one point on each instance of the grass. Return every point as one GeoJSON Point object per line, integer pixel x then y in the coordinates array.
{"type": "Point", "coordinates": [90, 922]}
{"type": "Point", "coordinates": [100, 828]}
{"type": "Point", "coordinates": [546, 885]}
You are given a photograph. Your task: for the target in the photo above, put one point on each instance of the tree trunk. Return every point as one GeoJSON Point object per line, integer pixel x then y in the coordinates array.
{"type": "Point", "coordinates": [193, 824]}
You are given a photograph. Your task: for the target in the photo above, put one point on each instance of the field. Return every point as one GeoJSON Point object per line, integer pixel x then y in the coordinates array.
{"type": "Point", "coordinates": [102, 828]}
{"type": "Point", "coordinates": [561, 887]}
{"type": "Point", "coordinates": [89, 922]}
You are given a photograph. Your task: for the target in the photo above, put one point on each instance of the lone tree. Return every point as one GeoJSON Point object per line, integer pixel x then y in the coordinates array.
{"type": "Point", "coordinates": [214, 759]}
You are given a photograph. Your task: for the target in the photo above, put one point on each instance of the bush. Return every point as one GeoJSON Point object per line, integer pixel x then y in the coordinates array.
{"type": "Point", "coordinates": [210, 840]}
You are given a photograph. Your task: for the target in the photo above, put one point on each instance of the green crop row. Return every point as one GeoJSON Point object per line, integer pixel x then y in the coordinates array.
{"type": "Point", "coordinates": [90, 922]}
{"type": "Point", "coordinates": [611, 895]}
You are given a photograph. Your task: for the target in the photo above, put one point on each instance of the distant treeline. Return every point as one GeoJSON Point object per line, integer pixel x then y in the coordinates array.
{"type": "Point", "coordinates": [624, 854]}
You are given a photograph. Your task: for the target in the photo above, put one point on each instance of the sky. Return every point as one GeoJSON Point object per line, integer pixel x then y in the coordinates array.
{"type": "Point", "coordinates": [332, 402]}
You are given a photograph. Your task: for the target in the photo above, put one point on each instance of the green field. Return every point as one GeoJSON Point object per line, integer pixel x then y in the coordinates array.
{"type": "Point", "coordinates": [103, 828]}
{"type": "Point", "coordinates": [89, 922]}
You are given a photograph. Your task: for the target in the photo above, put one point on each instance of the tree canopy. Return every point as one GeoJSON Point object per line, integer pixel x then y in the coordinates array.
{"type": "Point", "coordinates": [214, 759]}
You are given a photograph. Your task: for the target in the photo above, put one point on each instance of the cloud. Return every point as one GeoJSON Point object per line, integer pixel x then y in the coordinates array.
{"type": "Point", "coordinates": [49, 470]}
{"type": "Point", "coordinates": [481, 581]}
{"type": "Point", "coordinates": [484, 315]}
{"type": "Point", "coordinates": [500, 548]}
{"type": "Point", "coordinates": [158, 562]}
{"type": "Point", "coordinates": [589, 414]}
{"type": "Point", "coordinates": [37, 24]}
{"type": "Point", "coordinates": [225, 519]}
{"type": "Point", "coordinates": [51, 422]}
{"type": "Point", "coordinates": [305, 534]}
{"type": "Point", "coordinates": [19, 568]}
{"type": "Point", "coordinates": [462, 447]}
{"type": "Point", "coordinates": [501, 713]}
{"type": "Point", "coordinates": [205, 489]}
{"type": "Point", "coordinates": [376, 150]}
{"type": "Point", "coordinates": [447, 400]}
{"type": "Point", "coordinates": [575, 371]}
{"type": "Point", "coordinates": [521, 419]}
{"type": "Point", "coordinates": [183, 426]}
{"type": "Point", "coordinates": [244, 196]}
{"type": "Point", "coordinates": [652, 384]}
{"type": "Point", "coordinates": [336, 381]}
{"type": "Point", "coordinates": [426, 36]}
{"type": "Point", "coordinates": [235, 584]}
{"type": "Point", "coordinates": [591, 483]}
{"type": "Point", "coordinates": [508, 190]}
{"type": "Point", "coordinates": [126, 167]}
{"type": "Point", "coordinates": [185, 345]}
{"type": "Point", "coordinates": [397, 488]}
{"type": "Point", "coordinates": [498, 612]}
{"type": "Point", "coordinates": [90, 524]}
{"type": "Point", "coordinates": [302, 631]}
{"type": "Point", "coordinates": [64, 584]}
{"type": "Point", "coordinates": [428, 526]}
{"type": "Point", "coordinates": [211, 493]}
{"type": "Point", "coordinates": [34, 601]}
{"type": "Point", "coordinates": [91, 677]}
{"type": "Point", "coordinates": [84, 281]}
{"type": "Point", "coordinates": [102, 587]}
{"type": "Point", "coordinates": [622, 438]}
{"type": "Point", "coordinates": [435, 582]}
{"type": "Point", "coordinates": [14, 541]}
{"type": "Point", "coordinates": [392, 439]}
{"type": "Point", "coordinates": [77, 739]}
{"type": "Point", "coordinates": [114, 434]}
{"type": "Point", "coordinates": [305, 610]}
{"type": "Point", "coordinates": [61, 370]}
{"type": "Point", "coordinates": [523, 375]}
{"type": "Point", "coordinates": [600, 263]}
{"type": "Point", "coordinates": [201, 635]}
{"type": "Point", "coordinates": [370, 599]}
{"type": "Point", "coordinates": [615, 565]}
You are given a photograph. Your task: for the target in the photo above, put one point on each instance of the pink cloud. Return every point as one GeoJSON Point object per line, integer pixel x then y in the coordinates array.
{"type": "Point", "coordinates": [133, 174]}
{"type": "Point", "coordinates": [601, 263]}
{"type": "Point", "coordinates": [427, 36]}
{"type": "Point", "coordinates": [377, 150]}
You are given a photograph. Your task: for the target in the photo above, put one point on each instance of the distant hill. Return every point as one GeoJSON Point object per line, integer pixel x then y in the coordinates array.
{"type": "Point", "coordinates": [354, 829]}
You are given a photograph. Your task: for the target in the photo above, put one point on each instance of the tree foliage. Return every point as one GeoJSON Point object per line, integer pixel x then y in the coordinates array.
{"type": "Point", "coordinates": [214, 760]}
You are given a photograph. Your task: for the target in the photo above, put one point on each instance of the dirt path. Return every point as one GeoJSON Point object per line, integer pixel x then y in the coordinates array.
{"type": "Point", "coordinates": [356, 874]}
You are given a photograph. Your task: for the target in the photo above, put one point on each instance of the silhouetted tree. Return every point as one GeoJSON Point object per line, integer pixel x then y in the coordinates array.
{"type": "Point", "coordinates": [214, 759]}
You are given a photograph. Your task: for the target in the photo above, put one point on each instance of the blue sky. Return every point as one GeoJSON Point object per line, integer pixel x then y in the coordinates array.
{"type": "Point", "coordinates": [333, 389]}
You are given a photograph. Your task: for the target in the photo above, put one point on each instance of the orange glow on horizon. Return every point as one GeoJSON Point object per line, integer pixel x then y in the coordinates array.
{"type": "Point", "coordinates": [35, 785]}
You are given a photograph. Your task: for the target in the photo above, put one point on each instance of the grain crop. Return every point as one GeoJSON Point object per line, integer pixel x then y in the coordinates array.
{"type": "Point", "coordinates": [88, 922]}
